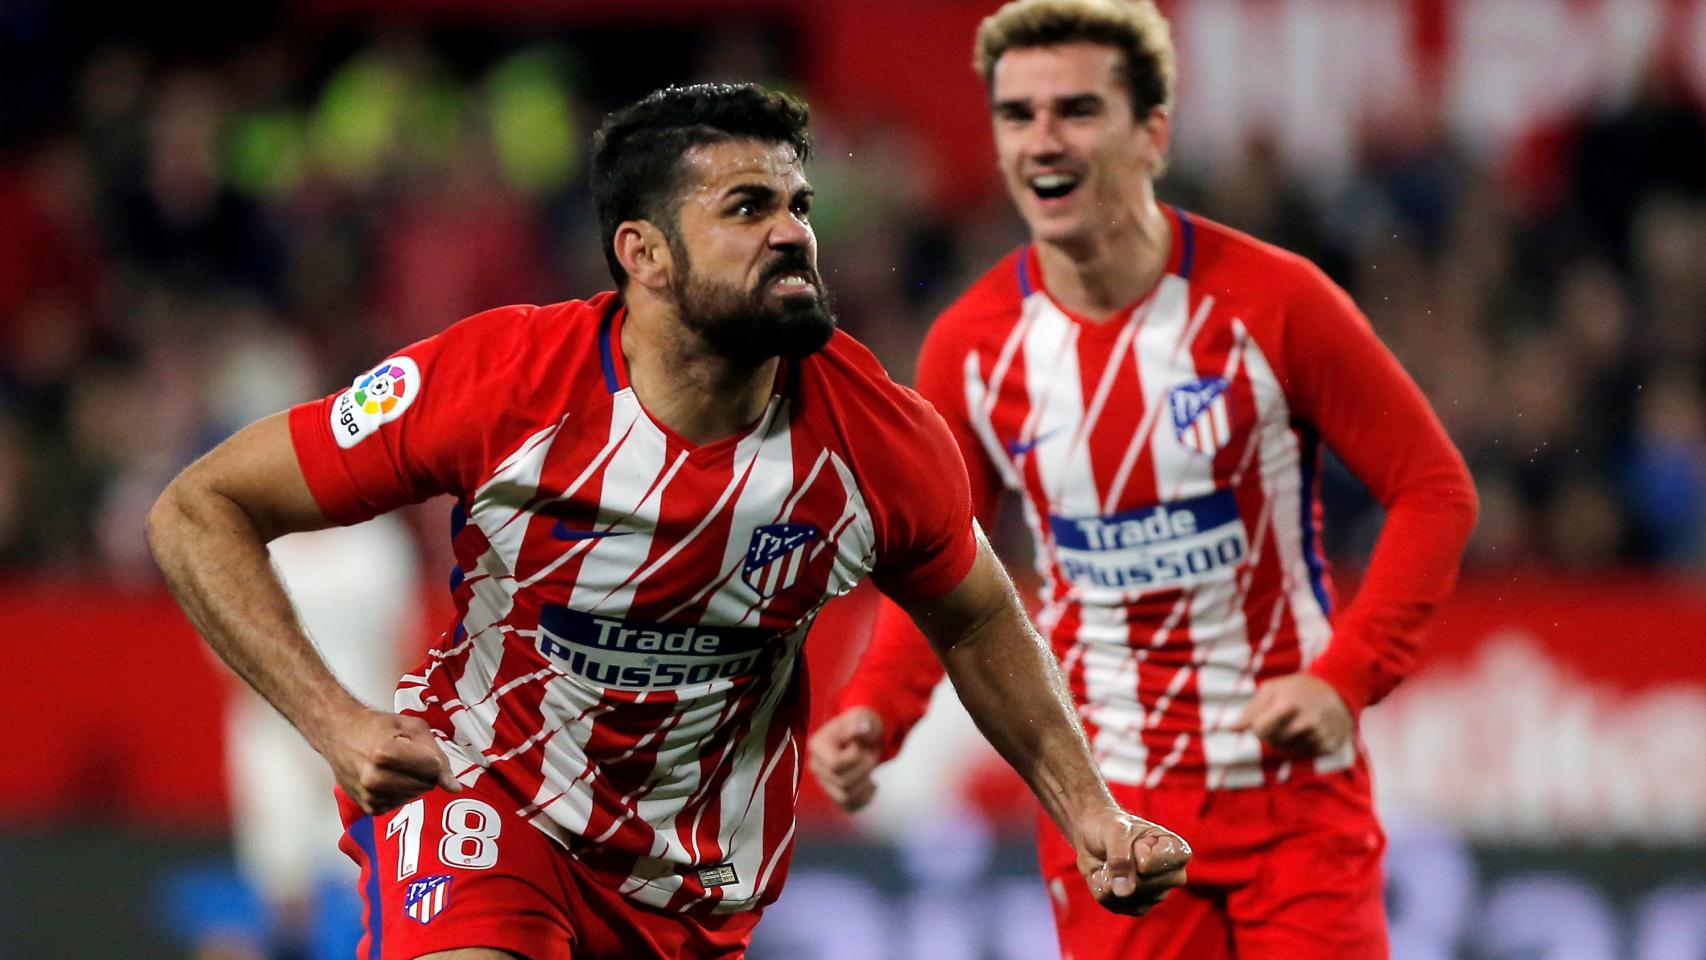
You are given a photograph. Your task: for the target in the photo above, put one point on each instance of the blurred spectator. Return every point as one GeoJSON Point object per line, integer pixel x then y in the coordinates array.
{"type": "Point", "coordinates": [1666, 481]}
{"type": "Point", "coordinates": [47, 229]}
{"type": "Point", "coordinates": [456, 242]}
{"type": "Point", "coordinates": [1655, 144]}
{"type": "Point", "coordinates": [14, 508]}
{"type": "Point", "coordinates": [178, 217]}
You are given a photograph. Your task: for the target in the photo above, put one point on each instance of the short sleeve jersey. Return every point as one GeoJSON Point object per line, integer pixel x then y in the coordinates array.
{"type": "Point", "coordinates": [631, 607]}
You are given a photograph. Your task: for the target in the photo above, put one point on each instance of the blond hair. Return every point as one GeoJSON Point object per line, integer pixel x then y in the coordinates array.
{"type": "Point", "coordinates": [1133, 27]}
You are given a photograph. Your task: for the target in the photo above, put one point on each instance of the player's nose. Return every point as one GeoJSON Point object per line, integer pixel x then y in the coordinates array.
{"type": "Point", "coordinates": [1042, 140]}
{"type": "Point", "coordinates": [790, 231]}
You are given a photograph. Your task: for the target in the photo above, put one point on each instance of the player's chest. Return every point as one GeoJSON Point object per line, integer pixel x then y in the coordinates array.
{"type": "Point", "coordinates": [1161, 406]}
{"type": "Point", "coordinates": [613, 515]}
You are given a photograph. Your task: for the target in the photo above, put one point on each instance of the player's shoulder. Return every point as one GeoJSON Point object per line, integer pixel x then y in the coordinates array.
{"type": "Point", "coordinates": [847, 382]}
{"type": "Point", "coordinates": [882, 429]}
{"type": "Point", "coordinates": [991, 303]}
{"type": "Point", "coordinates": [536, 325]}
{"type": "Point", "coordinates": [520, 364]}
{"type": "Point", "coordinates": [846, 367]}
{"type": "Point", "coordinates": [1227, 259]}
{"type": "Point", "coordinates": [516, 343]}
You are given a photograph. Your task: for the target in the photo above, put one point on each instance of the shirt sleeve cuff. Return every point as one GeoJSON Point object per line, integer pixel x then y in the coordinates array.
{"type": "Point", "coordinates": [327, 477]}
{"type": "Point", "coordinates": [936, 579]}
{"type": "Point", "coordinates": [895, 726]}
{"type": "Point", "coordinates": [1348, 671]}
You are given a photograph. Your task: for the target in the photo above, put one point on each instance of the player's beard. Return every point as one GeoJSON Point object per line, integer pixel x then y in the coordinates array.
{"type": "Point", "coordinates": [748, 327]}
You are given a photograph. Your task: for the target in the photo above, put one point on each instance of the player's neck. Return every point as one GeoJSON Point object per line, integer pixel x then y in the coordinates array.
{"type": "Point", "coordinates": [1101, 275]}
{"type": "Point", "coordinates": [684, 385]}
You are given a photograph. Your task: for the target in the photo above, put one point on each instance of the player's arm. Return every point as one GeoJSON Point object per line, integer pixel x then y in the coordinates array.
{"type": "Point", "coordinates": [1008, 679]}
{"type": "Point", "coordinates": [1344, 383]}
{"type": "Point", "coordinates": [209, 531]}
{"type": "Point", "coordinates": [884, 699]}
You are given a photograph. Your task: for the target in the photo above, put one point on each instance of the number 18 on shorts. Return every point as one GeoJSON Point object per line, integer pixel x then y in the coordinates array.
{"type": "Point", "coordinates": [446, 871]}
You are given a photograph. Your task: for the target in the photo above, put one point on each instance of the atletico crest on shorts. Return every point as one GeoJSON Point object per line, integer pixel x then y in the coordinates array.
{"type": "Point", "coordinates": [1200, 419]}
{"type": "Point", "coordinates": [774, 558]}
{"type": "Point", "coordinates": [427, 898]}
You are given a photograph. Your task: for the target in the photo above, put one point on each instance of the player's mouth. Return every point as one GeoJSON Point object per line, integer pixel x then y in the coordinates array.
{"type": "Point", "coordinates": [794, 282]}
{"type": "Point", "coordinates": [1053, 186]}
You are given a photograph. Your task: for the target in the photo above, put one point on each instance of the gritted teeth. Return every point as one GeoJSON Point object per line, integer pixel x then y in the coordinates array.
{"type": "Point", "coordinates": [793, 280]}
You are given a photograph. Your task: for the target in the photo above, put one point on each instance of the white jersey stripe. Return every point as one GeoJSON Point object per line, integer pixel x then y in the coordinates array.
{"type": "Point", "coordinates": [1190, 336]}
{"type": "Point", "coordinates": [1281, 475]}
{"type": "Point", "coordinates": [1110, 371]}
{"type": "Point", "coordinates": [742, 472]}
{"type": "Point", "coordinates": [1057, 407]}
{"type": "Point", "coordinates": [1170, 300]}
{"type": "Point", "coordinates": [1009, 349]}
{"type": "Point", "coordinates": [979, 397]}
{"type": "Point", "coordinates": [1219, 643]}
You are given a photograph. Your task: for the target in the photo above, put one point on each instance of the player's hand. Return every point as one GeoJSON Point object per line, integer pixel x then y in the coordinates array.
{"type": "Point", "coordinates": [1129, 863]}
{"type": "Point", "coordinates": [844, 752]}
{"type": "Point", "coordinates": [383, 760]}
{"type": "Point", "coordinates": [1298, 713]}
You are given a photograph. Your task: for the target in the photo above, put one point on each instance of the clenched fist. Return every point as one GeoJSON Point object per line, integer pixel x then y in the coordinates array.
{"type": "Point", "coordinates": [383, 760]}
{"type": "Point", "coordinates": [1129, 863]}
{"type": "Point", "coordinates": [1299, 713]}
{"type": "Point", "coordinates": [844, 752]}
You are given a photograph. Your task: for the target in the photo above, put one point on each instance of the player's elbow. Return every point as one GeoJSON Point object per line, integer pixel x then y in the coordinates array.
{"type": "Point", "coordinates": [1449, 491]}
{"type": "Point", "coordinates": [1462, 503]}
{"type": "Point", "coordinates": [166, 522]}
{"type": "Point", "coordinates": [1471, 505]}
{"type": "Point", "coordinates": [1444, 504]}
{"type": "Point", "coordinates": [186, 508]}
{"type": "Point", "coordinates": [1452, 510]}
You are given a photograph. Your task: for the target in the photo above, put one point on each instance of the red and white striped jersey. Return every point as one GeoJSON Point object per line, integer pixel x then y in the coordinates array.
{"type": "Point", "coordinates": [1167, 461]}
{"type": "Point", "coordinates": [626, 666]}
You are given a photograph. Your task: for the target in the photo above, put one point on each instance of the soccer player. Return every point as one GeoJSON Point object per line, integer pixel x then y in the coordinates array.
{"type": "Point", "coordinates": [1156, 389]}
{"type": "Point", "coordinates": [657, 489]}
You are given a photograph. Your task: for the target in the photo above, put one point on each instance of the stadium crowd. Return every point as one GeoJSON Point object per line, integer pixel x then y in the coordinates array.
{"type": "Point", "coordinates": [190, 243]}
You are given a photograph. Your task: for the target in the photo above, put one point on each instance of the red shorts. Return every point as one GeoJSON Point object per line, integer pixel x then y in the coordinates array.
{"type": "Point", "coordinates": [1280, 872]}
{"type": "Point", "coordinates": [463, 870]}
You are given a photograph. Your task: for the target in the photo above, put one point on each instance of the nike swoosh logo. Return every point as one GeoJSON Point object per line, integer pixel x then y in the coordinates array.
{"type": "Point", "coordinates": [562, 532]}
{"type": "Point", "coordinates": [1019, 448]}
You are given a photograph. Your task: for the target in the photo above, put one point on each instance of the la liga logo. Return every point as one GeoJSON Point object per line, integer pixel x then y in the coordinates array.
{"type": "Point", "coordinates": [376, 397]}
{"type": "Point", "coordinates": [381, 390]}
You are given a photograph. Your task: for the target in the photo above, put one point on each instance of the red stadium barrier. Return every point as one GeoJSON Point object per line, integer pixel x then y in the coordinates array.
{"type": "Point", "coordinates": [1544, 708]}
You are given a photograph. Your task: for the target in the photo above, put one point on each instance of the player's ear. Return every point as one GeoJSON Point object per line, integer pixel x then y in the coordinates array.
{"type": "Point", "coordinates": [644, 253]}
{"type": "Point", "coordinates": [1156, 129]}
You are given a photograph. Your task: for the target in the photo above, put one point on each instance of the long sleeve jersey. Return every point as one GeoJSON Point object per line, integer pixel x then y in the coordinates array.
{"type": "Point", "coordinates": [1167, 460]}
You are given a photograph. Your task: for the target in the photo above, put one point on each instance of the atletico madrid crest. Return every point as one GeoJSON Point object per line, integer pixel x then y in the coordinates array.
{"type": "Point", "coordinates": [1200, 420]}
{"type": "Point", "coordinates": [774, 558]}
{"type": "Point", "coordinates": [427, 898]}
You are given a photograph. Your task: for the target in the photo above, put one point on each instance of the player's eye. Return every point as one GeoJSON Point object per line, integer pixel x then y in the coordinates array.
{"type": "Point", "coordinates": [1087, 107]}
{"type": "Point", "coordinates": [803, 208]}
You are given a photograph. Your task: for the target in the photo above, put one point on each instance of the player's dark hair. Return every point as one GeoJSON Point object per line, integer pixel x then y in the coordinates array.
{"type": "Point", "coordinates": [1133, 27]}
{"type": "Point", "coordinates": [637, 153]}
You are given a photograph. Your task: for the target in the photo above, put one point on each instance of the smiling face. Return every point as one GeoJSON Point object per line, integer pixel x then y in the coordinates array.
{"type": "Point", "coordinates": [744, 257]}
{"type": "Point", "coordinates": [1075, 160]}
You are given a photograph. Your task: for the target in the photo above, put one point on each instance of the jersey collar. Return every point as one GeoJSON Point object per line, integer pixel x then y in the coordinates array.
{"type": "Point", "coordinates": [1181, 256]}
